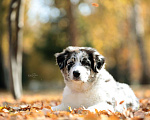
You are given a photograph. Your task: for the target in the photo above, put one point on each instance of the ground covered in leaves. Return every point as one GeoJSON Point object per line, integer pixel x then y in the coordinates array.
{"type": "Point", "coordinates": [38, 106]}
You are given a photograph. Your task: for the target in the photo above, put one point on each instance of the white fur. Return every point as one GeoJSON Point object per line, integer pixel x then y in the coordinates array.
{"type": "Point", "coordinates": [104, 93]}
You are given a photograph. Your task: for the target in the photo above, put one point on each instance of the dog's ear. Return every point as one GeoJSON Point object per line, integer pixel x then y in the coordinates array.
{"type": "Point", "coordinates": [99, 61]}
{"type": "Point", "coordinates": [61, 58]}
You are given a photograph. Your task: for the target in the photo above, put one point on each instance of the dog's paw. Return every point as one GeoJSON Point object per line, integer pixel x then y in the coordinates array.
{"type": "Point", "coordinates": [102, 107]}
{"type": "Point", "coordinates": [45, 111]}
{"type": "Point", "coordinates": [55, 108]}
{"type": "Point", "coordinates": [60, 107]}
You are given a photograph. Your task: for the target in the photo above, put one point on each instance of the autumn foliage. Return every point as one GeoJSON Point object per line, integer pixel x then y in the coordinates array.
{"type": "Point", "coordinates": [38, 106]}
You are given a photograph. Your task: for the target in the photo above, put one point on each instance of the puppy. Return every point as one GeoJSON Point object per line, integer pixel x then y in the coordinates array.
{"type": "Point", "coordinates": [88, 84]}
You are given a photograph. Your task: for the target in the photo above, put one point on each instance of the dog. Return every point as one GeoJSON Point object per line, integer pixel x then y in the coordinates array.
{"type": "Point", "coordinates": [89, 85]}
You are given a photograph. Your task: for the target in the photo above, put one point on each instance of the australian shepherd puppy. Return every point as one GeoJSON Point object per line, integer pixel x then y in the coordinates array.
{"type": "Point", "coordinates": [88, 84]}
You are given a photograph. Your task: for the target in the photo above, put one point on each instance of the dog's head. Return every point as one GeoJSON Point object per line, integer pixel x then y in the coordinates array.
{"type": "Point", "coordinates": [79, 64]}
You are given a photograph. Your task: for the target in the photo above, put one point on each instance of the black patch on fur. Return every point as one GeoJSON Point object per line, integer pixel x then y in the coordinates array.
{"type": "Point", "coordinates": [70, 65]}
{"type": "Point", "coordinates": [129, 105]}
{"type": "Point", "coordinates": [109, 103]}
{"type": "Point", "coordinates": [86, 62]}
{"type": "Point", "coordinates": [107, 80]}
{"type": "Point", "coordinates": [99, 62]}
{"type": "Point", "coordinates": [90, 57]}
{"type": "Point", "coordinates": [96, 61]}
{"type": "Point", "coordinates": [62, 59]}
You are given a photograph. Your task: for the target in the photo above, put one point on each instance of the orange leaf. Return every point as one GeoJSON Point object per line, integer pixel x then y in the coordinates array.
{"type": "Point", "coordinates": [96, 111]}
{"type": "Point", "coordinates": [121, 102]}
{"type": "Point", "coordinates": [113, 117]}
{"type": "Point", "coordinates": [95, 4]}
{"type": "Point", "coordinates": [51, 108]}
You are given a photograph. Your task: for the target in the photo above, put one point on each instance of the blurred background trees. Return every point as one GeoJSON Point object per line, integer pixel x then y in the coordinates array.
{"type": "Point", "coordinates": [119, 30]}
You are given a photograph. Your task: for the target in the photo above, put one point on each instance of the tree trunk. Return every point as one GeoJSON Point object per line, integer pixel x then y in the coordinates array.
{"type": "Point", "coordinates": [72, 24]}
{"type": "Point", "coordinates": [138, 31]}
{"type": "Point", "coordinates": [2, 82]}
{"type": "Point", "coordinates": [15, 23]}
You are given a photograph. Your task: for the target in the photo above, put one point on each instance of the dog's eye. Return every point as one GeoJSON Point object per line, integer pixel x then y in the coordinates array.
{"type": "Point", "coordinates": [85, 62]}
{"type": "Point", "coordinates": [70, 64]}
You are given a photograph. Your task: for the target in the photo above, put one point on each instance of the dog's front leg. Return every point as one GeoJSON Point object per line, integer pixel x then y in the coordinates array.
{"type": "Point", "coordinates": [102, 106]}
{"type": "Point", "coordinates": [60, 107]}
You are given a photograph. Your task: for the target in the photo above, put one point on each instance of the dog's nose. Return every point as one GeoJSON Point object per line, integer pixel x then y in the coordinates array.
{"type": "Point", "coordinates": [76, 74]}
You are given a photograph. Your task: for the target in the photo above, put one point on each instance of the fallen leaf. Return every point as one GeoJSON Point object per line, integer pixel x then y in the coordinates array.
{"type": "Point", "coordinates": [113, 117]}
{"type": "Point", "coordinates": [69, 108]}
{"type": "Point", "coordinates": [121, 102]}
{"type": "Point", "coordinates": [5, 110]}
{"type": "Point", "coordinates": [95, 4]}
{"type": "Point", "coordinates": [139, 114]}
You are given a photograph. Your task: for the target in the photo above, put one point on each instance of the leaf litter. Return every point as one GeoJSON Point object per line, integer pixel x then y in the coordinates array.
{"type": "Point", "coordinates": [39, 107]}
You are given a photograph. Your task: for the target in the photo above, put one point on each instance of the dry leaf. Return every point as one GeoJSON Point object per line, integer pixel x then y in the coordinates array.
{"type": "Point", "coordinates": [121, 102]}
{"type": "Point", "coordinates": [95, 4]}
{"type": "Point", "coordinates": [39, 107]}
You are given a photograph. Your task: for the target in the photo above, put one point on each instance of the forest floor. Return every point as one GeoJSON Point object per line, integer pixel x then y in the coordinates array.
{"type": "Point", "coordinates": [38, 106]}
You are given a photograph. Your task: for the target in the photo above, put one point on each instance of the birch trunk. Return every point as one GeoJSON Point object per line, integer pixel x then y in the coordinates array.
{"type": "Point", "coordinates": [138, 30]}
{"type": "Point", "coordinates": [15, 22]}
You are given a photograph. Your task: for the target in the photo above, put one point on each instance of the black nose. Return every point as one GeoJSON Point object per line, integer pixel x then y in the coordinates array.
{"type": "Point", "coordinates": [76, 74]}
